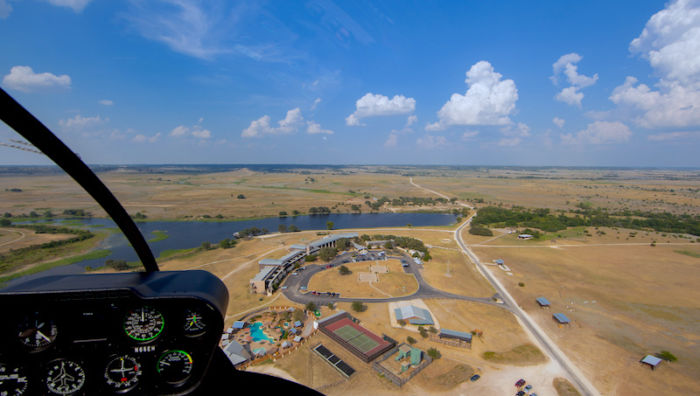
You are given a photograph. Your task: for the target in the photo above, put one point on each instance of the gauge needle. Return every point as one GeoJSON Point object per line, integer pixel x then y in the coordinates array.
{"type": "Point", "coordinates": [165, 363]}
{"type": "Point", "coordinates": [142, 316]}
{"type": "Point", "coordinates": [43, 336]}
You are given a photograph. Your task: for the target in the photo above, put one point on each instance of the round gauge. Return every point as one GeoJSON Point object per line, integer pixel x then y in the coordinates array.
{"type": "Point", "coordinates": [122, 373]}
{"type": "Point", "coordinates": [174, 366]}
{"type": "Point", "coordinates": [12, 381]}
{"type": "Point", "coordinates": [194, 323]}
{"type": "Point", "coordinates": [37, 332]}
{"type": "Point", "coordinates": [64, 377]}
{"type": "Point", "coordinates": [144, 324]}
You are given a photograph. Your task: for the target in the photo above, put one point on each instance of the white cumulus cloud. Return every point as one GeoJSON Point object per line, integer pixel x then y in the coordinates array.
{"type": "Point", "coordinates": [23, 78]}
{"type": "Point", "coordinates": [599, 132]}
{"type": "Point", "coordinates": [670, 42]}
{"type": "Point", "coordinates": [106, 102]}
{"type": "Point", "coordinates": [489, 100]}
{"type": "Point", "coordinates": [75, 5]}
{"type": "Point", "coordinates": [201, 133]}
{"type": "Point", "coordinates": [314, 128]}
{"type": "Point", "coordinates": [392, 140]}
{"type": "Point", "coordinates": [372, 105]}
{"type": "Point", "coordinates": [261, 127]}
{"type": "Point", "coordinates": [469, 135]}
{"type": "Point", "coordinates": [315, 104]}
{"type": "Point", "coordinates": [566, 65]}
{"type": "Point", "coordinates": [79, 122]}
{"type": "Point", "coordinates": [558, 122]}
{"type": "Point", "coordinates": [195, 131]}
{"type": "Point", "coordinates": [140, 138]}
{"type": "Point", "coordinates": [674, 136]}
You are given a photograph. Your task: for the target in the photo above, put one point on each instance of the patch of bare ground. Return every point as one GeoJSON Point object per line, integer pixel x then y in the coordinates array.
{"type": "Point", "coordinates": [394, 283]}
{"type": "Point", "coordinates": [521, 355]}
{"type": "Point", "coordinates": [451, 271]}
{"type": "Point", "coordinates": [16, 238]}
{"type": "Point", "coordinates": [443, 375]}
{"type": "Point", "coordinates": [564, 387]}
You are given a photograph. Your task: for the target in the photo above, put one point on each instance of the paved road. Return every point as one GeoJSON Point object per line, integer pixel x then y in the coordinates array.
{"type": "Point", "coordinates": [294, 282]}
{"type": "Point", "coordinates": [552, 350]}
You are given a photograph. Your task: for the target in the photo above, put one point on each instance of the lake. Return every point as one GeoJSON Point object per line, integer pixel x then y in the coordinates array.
{"type": "Point", "coordinates": [189, 234]}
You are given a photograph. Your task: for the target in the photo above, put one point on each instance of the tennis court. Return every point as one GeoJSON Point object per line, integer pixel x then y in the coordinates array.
{"type": "Point", "coordinates": [356, 338]}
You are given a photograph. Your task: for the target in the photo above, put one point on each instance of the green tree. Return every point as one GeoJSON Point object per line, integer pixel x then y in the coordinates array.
{"type": "Point", "coordinates": [283, 213]}
{"type": "Point", "coordinates": [330, 305]}
{"type": "Point", "coordinates": [282, 228]}
{"type": "Point", "coordinates": [666, 355]}
{"type": "Point", "coordinates": [344, 270]}
{"type": "Point", "coordinates": [5, 222]}
{"type": "Point", "coordinates": [7, 215]}
{"type": "Point", "coordinates": [423, 332]}
{"type": "Point", "coordinates": [311, 258]}
{"type": "Point", "coordinates": [329, 225]}
{"type": "Point", "coordinates": [342, 244]}
{"type": "Point", "coordinates": [206, 245]}
{"type": "Point", "coordinates": [401, 322]}
{"type": "Point", "coordinates": [358, 306]}
{"type": "Point", "coordinates": [434, 353]}
{"type": "Point", "coordinates": [327, 253]}
{"type": "Point", "coordinates": [310, 306]}
{"type": "Point", "coordinates": [411, 340]}
{"type": "Point", "coordinates": [240, 196]}
{"type": "Point", "coordinates": [48, 214]}
{"type": "Point", "coordinates": [33, 214]}
{"type": "Point", "coordinates": [296, 212]}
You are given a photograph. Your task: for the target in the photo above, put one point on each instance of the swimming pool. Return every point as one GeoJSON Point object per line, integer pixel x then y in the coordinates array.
{"type": "Point", "coordinates": [258, 334]}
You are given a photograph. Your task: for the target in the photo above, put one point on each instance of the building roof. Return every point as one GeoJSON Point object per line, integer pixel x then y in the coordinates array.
{"type": "Point", "coordinates": [333, 238]}
{"type": "Point", "coordinates": [263, 273]}
{"type": "Point", "coordinates": [524, 236]}
{"type": "Point", "coordinates": [357, 246]}
{"type": "Point", "coordinates": [236, 353]}
{"type": "Point", "coordinates": [297, 323]}
{"type": "Point", "coordinates": [542, 301]}
{"type": "Point", "coordinates": [330, 318]}
{"type": "Point", "coordinates": [270, 262]}
{"type": "Point", "coordinates": [298, 246]}
{"type": "Point", "coordinates": [561, 318]}
{"type": "Point", "coordinates": [651, 360]}
{"type": "Point", "coordinates": [292, 331]}
{"type": "Point", "coordinates": [239, 324]}
{"type": "Point", "coordinates": [297, 338]}
{"type": "Point", "coordinates": [413, 314]}
{"type": "Point", "coordinates": [417, 260]}
{"type": "Point", "coordinates": [456, 334]}
{"type": "Point", "coordinates": [416, 356]}
{"type": "Point", "coordinates": [292, 255]}
{"type": "Point", "coordinates": [499, 261]}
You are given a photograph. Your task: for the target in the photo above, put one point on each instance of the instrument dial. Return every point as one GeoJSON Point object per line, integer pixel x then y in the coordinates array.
{"type": "Point", "coordinates": [194, 323]}
{"type": "Point", "coordinates": [12, 381]}
{"type": "Point", "coordinates": [144, 324]}
{"type": "Point", "coordinates": [174, 366]}
{"type": "Point", "coordinates": [65, 377]}
{"type": "Point", "coordinates": [122, 373]}
{"type": "Point", "coordinates": [37, 332]}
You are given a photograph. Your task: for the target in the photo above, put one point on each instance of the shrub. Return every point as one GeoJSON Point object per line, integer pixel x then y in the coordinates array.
{"type": "Point", "coordinates": [423, 332]}
{"type": "Point", "coordinates": [310, 306]}
{"type": "Point", "coordinates": [521, 284]}
{"type": "Point", "coordinates": [667, 356]}
{"type": "Point", "coordinates": [401, 322]}
{"type": "Point", "coordinates": [358, 306]}
{"type": "Point", "coordinates": [480, 230]}
{"type": "Point", "coordinates": [344, 270]}
{"type": "Point", "coordinates": [411, 340]}
{"type": "Point", "coordinates": [434, 353]}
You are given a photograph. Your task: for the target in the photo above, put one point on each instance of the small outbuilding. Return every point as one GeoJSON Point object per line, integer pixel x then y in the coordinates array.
{"type": "Point", "coordinates": [499, 261]}
{"type": "Point", "coordinates": [651, 361]}
{"type": "Point", "coordinates": [455, 335]}
{"type": "Point", "coordinates": [238, 325]}
{"type": "Point", "coordinates": [561, 319]}
{"type": "Point", "coordinates": [297, 323]}
{"type": "Point", "coordinates": [542, 302]}
{"type": "Point", "coordinates": [414, 315]}
{"type": "Point", "coordinates": [525, 236]}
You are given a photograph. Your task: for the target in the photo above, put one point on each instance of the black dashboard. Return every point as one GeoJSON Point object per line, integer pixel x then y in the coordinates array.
{"type": "Point", "coordinates": [129, 333]}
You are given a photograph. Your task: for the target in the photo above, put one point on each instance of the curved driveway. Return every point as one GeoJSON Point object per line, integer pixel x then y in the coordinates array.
{"type": "Point", "coordinates": [294, 282]}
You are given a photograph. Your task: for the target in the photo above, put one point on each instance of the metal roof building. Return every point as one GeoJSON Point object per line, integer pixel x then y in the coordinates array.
{"type": "Point", "coordinates": [543, 302]}
{"type": "Point", "coordinates": [460, 335]}
{"type": "Point", "coordinates": [651, 361]}
{"type": "Point", "coordinates": [236, 353]}
{"type": "Point", "coordinates": [414, 315]}
{"type": "Point", "coordinates": [561, 318]}
{"type": "Point", "coordinates": [239, 324]}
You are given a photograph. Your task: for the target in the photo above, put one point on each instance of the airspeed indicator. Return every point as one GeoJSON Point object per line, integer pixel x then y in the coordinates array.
{"type": "Point", "coordinates": [144, 324]}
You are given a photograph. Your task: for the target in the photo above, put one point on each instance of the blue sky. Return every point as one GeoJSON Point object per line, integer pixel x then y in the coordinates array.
{"type": "Point", "coordinates": [597, 83]}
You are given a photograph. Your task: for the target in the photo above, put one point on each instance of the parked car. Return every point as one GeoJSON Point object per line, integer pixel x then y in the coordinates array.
{"type": "Point", "coordinates": [474, 377]}
{"type": "Point", "coordinates": [520, 383]}
{"type": "Point", "coordinates": [528, 387]}
{"type": "Point", "coordinates": [520, 393]}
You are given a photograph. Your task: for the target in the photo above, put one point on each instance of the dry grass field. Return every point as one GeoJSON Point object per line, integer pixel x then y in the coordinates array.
{"type": "Point", "coordinates": [16, 238]}
{"type": "Point", "coordinates": [395, 283]}
{"type": "Point", "coordinates": [624, 301]}
{"type": "Point", "coordinates": [451, 270]}
{"type": "Point", "coordinates": [649, 190]}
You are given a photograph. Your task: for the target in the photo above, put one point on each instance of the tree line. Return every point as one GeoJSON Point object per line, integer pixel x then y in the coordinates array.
{"type": "Point", "coordinates": [544, 220]}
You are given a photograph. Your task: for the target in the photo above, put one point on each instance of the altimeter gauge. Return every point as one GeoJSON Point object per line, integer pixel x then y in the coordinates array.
{"type": "Point", "coordinates": [144, 324]}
